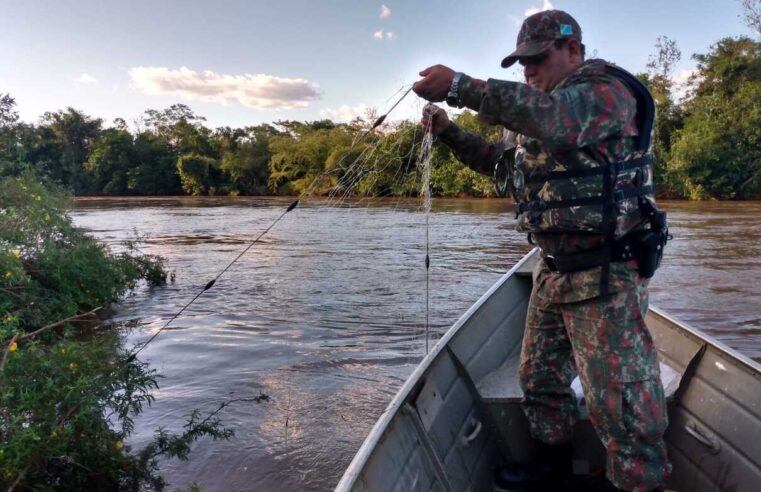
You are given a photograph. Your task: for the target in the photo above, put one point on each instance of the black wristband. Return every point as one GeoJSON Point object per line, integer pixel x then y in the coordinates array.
{"type": "Point", "coordinates": [453, 96]}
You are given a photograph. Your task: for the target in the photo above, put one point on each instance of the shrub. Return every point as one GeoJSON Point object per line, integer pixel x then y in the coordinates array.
{"type": "Point", "coordinates": [69, 390]}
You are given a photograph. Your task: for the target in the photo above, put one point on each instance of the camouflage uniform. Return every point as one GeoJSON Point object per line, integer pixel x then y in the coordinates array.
{"type": "Point", "coordinates": [570, 328]}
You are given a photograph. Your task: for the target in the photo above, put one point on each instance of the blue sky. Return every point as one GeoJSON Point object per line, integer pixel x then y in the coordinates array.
{"type": "Point", "coordinates": [247, 62]}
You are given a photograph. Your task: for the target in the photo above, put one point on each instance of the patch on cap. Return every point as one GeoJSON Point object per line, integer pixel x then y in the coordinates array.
{"type": "Point", "coordinates": [566, 29]}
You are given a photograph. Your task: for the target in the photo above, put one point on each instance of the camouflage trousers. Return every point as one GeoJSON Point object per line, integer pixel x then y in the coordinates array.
{"type": "Point", "coordinates": [609, 346]}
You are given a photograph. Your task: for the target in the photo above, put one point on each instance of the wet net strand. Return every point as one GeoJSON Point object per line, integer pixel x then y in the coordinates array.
{"type": "Point", "coordinates": [424, 160]}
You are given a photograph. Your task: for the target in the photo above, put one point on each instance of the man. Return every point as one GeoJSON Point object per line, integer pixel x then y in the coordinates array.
{"type": "Point", "coordinates": [576, 147]}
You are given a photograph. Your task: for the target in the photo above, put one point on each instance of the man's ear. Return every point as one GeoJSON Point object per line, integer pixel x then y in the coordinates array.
{"type": "Point", "coordinates": [574, 48]}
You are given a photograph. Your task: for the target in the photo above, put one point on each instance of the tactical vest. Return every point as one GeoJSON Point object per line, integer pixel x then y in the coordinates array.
{"type": "Point", "coordinates": [579, 191]}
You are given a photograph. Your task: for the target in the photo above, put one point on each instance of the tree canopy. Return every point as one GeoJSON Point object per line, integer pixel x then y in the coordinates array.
{"type": "Point", "coordinates": [717, 153]}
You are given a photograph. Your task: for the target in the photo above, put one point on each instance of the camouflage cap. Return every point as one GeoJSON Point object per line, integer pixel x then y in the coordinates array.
{"type": "Point", "coordinates": [539, 31]}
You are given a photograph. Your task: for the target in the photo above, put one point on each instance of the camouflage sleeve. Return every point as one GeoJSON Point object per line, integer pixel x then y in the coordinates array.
{"type": "Point", "coordinates": [571, 117]}
{"type": "Point", "coordinates": [472, 150]}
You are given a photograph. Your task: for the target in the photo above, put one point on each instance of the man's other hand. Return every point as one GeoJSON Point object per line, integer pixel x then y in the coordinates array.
{"type": "Point", "coordinates": [435, 83]}
{"type": "Point", "coordinates": [434, 119]}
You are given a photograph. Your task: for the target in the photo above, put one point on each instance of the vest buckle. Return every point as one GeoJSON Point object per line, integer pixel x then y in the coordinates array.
{"type": "Point", "coordinates": [549, 260]}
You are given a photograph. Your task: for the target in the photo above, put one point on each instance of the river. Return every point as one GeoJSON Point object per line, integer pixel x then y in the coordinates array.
{"type": "Point", "coordinates": [327, 314]}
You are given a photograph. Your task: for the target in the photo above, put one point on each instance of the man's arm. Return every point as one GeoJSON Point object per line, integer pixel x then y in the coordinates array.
{"type": "Point", "coordinates": [571, 117]}
{"type": "Point", "coordinates": [576, 116]}
{"type": "Point", "coordinates": [472, 150]}
{"type": "Point", "coordinates": [469, 148]}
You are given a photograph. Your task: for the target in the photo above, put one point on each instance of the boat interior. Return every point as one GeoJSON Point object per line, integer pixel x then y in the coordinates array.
{"type": "Point", "coordinates": [458, 417]}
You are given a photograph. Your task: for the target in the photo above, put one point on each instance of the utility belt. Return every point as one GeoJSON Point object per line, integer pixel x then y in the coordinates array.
{"type": "Point", "coordinates": [644, 246]}
{"type": "Point", "coordinates": [588, 259]}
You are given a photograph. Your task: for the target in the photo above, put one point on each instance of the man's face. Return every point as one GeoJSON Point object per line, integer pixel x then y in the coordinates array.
{"type": "Point", "coordinates": [545, 71]}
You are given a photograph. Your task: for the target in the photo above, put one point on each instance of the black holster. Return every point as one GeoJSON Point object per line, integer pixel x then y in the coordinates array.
{"type": "Point", "coordinates": [649, 244]}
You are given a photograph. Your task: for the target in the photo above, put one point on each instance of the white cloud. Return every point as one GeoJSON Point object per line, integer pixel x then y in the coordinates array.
{"type": "Point", "coordinates": [533, 10]}
{"type": "Point", "coordinates": [256, 91]}
{"type": "Point", "coordinates": [86, 79]}
{"type": "Point", "coordinates": [115, 87]}
{"type": "Point", "coordinates": [681, 81]}
{"type": "Point", "coordinates": [380, 35]}
{"type": "Point", "coordinates": [515, 20]}
{"type": "Point", "coordinates": [347, 113]}
{"type": "Point", "coordinates": [385, 12]}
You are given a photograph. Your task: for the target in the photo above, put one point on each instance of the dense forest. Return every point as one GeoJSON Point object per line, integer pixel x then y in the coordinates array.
{"type": "Point", "coordinates": [707, 144]}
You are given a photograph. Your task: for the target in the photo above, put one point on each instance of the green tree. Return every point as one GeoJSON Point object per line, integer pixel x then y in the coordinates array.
{"type": "Point", "coordinates": [194, 171]}
{"type": "Point", "coordinates": [154, 168]}
{"type": "Point", "coordinates": [110, 160]}
{"type": "Point", "coordinates": [752, 15]}
{"type": "Point", "coordinates": [8, 137]}
{"type": "Point", "coordinates": [8, 113]}
{"type": "Point", "coordinates": [301, 153]}
{"type": "Point", "coordinates": [71, 134]}
{"type": "Point", "coordinates": [245, 156]}
{"type": "Point", "coordinates": [226, 139]}
{"type": "Point", "coordinates": [669, 116]}
{"type": "Point", "coordinates": [391, 166]}
{"type": "Point", "coordinates": [181, 129]}
{"type": "Point", "coordinates": [182, 133]}
{"type": "Point", "coordinates": [718, 152]}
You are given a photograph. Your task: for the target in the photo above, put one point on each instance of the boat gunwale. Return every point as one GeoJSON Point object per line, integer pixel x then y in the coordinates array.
{"type": "Point", "coordinates": [723, 349]}
{"type": "Point", "coordinates": [357, 464]}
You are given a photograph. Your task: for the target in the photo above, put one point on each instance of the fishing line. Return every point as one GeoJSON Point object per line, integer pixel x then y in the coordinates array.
{"type": "Point", "coordinates": [355, 172]}
{"type": "Point", "coordinates": [427, 285]}
{"type": "Point", "coordinates": [348, 181]}
{"type": "Point", "coordinates": [383, 118]}
{"type": "Point", "coordinates": [293, 205]}
{"type": "Point", "coordinates": [369, 169]}
{"type": "Point", "coordinates": [426, 147]}
{"type": "Point", "coordinates": [211, 283]}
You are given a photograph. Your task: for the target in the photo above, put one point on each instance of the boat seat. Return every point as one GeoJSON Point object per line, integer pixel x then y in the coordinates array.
{"type": "Point", "coordinates": [501, 386]}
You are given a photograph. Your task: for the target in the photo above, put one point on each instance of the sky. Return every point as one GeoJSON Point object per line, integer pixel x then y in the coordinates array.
{"type": "Point", "coordinates": [241, 63]}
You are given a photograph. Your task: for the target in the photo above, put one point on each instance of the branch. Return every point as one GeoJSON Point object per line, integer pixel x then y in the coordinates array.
{"type": "Point", "coordinates": [258, 399]}
{"type": "Point", "coordinates": [67, 416]}
{"type": "Point", "coordinates": [15, 482]}
{"type": "Point", "coordinates": [11, 293]}
{"type": "Point", "coordinates": [57, 323]}
{"type": "Point", "coordinates": [192, 428]}
{"type": "Point", "coordinates": [8, 223]}
{"type": "Point", "coordinates": [7, 351]}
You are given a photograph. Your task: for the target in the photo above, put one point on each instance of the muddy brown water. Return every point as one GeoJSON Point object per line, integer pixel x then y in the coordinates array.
{"type": "Point", "coordinates": [327, 314]}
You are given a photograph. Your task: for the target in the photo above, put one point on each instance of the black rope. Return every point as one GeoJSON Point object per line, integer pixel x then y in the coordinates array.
{"type": "Point", "coordinates": [211, 283]}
